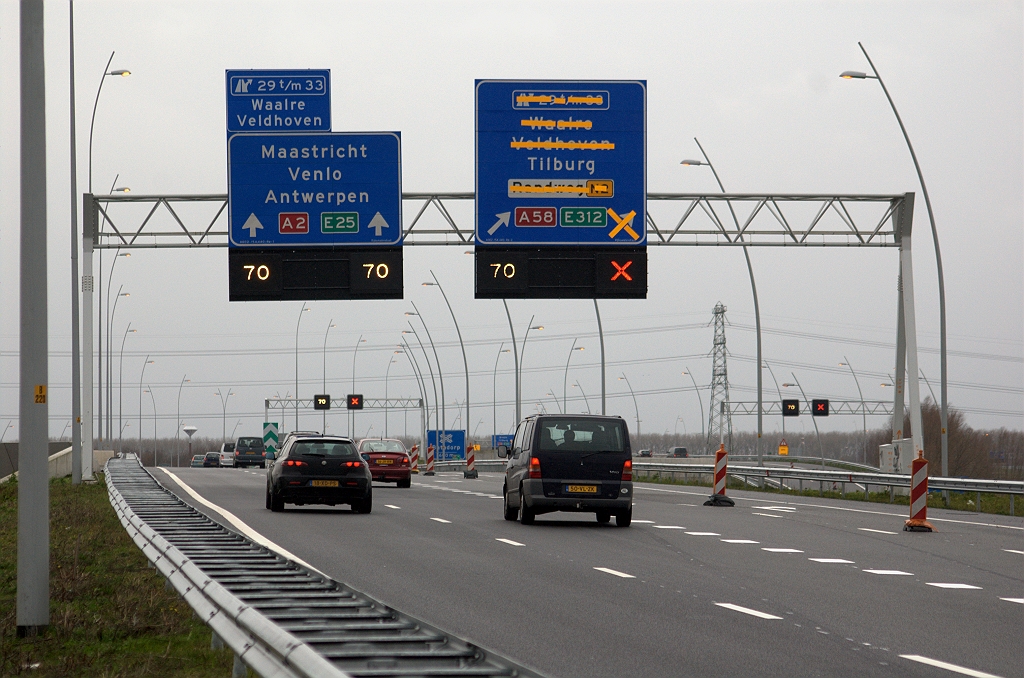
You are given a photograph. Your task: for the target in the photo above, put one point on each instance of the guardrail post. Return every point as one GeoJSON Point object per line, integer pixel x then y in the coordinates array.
{"type": "Point", "coordinates": [215, 642]}
{"type": "Point", "coordinates": [238, 669]}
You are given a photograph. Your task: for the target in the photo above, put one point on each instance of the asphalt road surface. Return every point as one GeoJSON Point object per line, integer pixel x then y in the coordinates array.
{"type": "Point", "coordinates": [775, 586]}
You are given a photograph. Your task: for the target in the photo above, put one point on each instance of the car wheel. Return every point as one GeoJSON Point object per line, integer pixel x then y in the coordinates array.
{"type": "Point", "coordinates": [603, 517]}
{"type": "Point", "coordinates": [624, 518]}
{"type": "Point", "coordinates": [276, 503]}
{"type": "Point", "coordinates": [511, 512]}
{"type": "Point", "coordinates": [363, 505]}
{"type": "Point", "coordinates": [405, 483]}
{"type": "Point", "coordinates": [268, 497]}
{"type": "Point", "coordinates": [263, 465]}
{"type": "Point", "coordinates": [526, 514]}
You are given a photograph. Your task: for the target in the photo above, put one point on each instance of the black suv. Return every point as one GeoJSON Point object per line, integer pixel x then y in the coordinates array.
{"type": "Point", "coordinates": [318, 470]}
{"type": "Point", "coordinates": [579, 463]}
{"type": "Point", "coordinates": [250, 451]}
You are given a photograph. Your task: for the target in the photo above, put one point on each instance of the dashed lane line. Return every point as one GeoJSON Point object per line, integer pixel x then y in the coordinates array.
{"type": "Point", "coordinates": [837, 561]}
{"type": "Point", "coordinates": [788, 509]}
{"type": "Point", "coordinates": [644, 522]}
{"type": "Point", "coordinates": [962, 670]}
{"type": "Point", "coordinates": [614, 572]}
{"type": "Point", "coordinates": [668, 527]}
{"type": "Point", "coordinates": [740, 541]}
{"type": "Point", "coordinates": [942, 585]}
{"type": "Point", "coordinates": [1014, 600]}
{"type": "Point", "coordinates": [766, 515]}
{"type": "Point", "coordinates": [509, 542]}
{"type": "Point", "coordinates": [892, 572]}
{"type": "Point", "coordinates": [442, 520]}
{"type": "Point", "coordinates": [703, 534]}
{"type": "Point", "coordinates": [747, 610]}
{"type": "Point", "coordinates": [868, 529]}
{"type": "Point", "coordinates": [1007, 550]}
{"type": "Point", "coordinates": [774, 550]}
{"type": "Point", "coordinates": [392, 506]}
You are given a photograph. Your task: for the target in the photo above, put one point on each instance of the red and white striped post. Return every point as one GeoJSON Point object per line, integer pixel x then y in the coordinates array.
{"type": "Point", "coordinates": [430, 461]}
{"type": "Point", "coordinates": [470, 463]}
{"type": "Point", "coordinates": [718, 497]}
{"type": "Point", "coordinates": [414, 459]}
{"type": "Point", "coordinates": [919, 497]}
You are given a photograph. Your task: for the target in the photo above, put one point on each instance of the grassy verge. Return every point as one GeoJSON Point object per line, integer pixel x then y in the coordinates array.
{"type": "Point", "coordinates": [959, 501]}
{"type": "Point", "coordinates": [110, 615]}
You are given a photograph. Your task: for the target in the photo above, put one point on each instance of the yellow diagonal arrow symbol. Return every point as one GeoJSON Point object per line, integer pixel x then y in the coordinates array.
{"type": "Point", "coordinates": [623, 223]}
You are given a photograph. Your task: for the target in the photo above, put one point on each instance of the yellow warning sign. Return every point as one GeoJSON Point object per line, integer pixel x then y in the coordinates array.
{"type": "Point", "coordinates": [40, 394]}
{"type": "Point", "coordinates": [783, 448]}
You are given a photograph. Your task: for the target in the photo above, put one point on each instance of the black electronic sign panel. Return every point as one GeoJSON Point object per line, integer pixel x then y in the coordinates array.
{"type": "Point", "coordinates": [819, 408]}
{"type": "Point", "coordinates": [791, 408]}
{"type": "Point", "coordinates": [322, 401]}
{"type": "Point", "coordinates": [354, 401]}
{"type": "Point", "coordinates": [561, 272]}
{"type": "Point", "coordinates": [314, 274]}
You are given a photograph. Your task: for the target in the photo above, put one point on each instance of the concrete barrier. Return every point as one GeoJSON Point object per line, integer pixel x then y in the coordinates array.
{"type": "Point", "coordinates": [60, 463]}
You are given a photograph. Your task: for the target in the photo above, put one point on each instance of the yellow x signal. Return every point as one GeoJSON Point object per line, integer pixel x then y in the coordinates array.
{"type": "Point", "coordinates": [623, 223]}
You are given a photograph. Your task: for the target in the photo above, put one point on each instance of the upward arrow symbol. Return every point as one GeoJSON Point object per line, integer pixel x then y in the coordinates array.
{"type": "Point", "coordinates": [378, 222]}
{"type": "Point", "coordinates": [252, 224]}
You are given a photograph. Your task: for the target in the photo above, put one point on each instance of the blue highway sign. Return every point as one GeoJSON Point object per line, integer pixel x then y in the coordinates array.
{"type": "Point", "coordinates": [561, 162]}
{"type": "Point", "coordinates": [502, 439]}
{"type": "Point", "coordinates": [310, 190]}
{"type": "Point", "coordinates": [279, 101]}
{"type": "Point", "coordinates": [452, 447]}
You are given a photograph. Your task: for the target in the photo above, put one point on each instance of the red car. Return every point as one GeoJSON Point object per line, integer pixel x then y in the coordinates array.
{"type": "Point", "coordinates": [387, 459]}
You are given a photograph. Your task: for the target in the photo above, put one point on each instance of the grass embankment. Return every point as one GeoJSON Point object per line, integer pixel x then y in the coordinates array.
{"type": "Point", "coordinates": [958, 501]}
{"type": "Point", "coordinates": [110, 614]}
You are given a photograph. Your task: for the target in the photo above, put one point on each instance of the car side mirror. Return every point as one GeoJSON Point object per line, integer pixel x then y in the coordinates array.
{"type": "Point", "coordinates": [270, 455]}
{"type": "Point", "coordinates": [502, 451]}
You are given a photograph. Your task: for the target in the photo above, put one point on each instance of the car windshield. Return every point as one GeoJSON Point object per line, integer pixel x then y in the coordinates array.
{"type": "Point", "coordinates": [324, 448]}
{"type": "Point", "coordinates": [567, 434]}
{"type": "Point", "coordinates": [382, 446]}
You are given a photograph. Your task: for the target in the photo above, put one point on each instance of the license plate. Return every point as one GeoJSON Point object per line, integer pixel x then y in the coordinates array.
{"type": "Point", "coordinates": [385, 461]}
{"type": "Point", "coordinates": [585, 489]}
{"type": "Point", "coordinates": [323, 483]}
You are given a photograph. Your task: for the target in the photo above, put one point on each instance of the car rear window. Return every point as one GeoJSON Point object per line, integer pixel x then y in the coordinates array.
{"type": "Point", "coordinates": [568, 434]}
{"type": "Point", "coordinates": [250, 442]}
{"type": "Point", "coordinates": [382, 446]}
{"type": "Point", "coordinates": [324, 448]}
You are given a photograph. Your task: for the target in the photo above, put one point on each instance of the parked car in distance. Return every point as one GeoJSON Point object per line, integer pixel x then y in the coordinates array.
{"type": "Point", "coordinates": [211, 459]}
{"type": "Point", "coordinates": [644, 453]}
{"type": "Point", "coordinates": [249, 451]}
{"type": "Point", "coordinates": [388, 460]}
{"type": "Point", "coordinates": [578, 463]}
{"type": "Point", "coordinates": [198, 461]}
{"type": "Point", "coordinates": [677, 452]}
{"type": "Point", "coordinates": [318, 470]}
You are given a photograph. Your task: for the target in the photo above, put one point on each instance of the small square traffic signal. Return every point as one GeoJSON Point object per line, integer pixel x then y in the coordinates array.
{"type": "Point", "coordinates": [355, 401]}
{"type": "Point", "coordinates": [791, 408]}
{"type": "Point", "coordinates": [322, 402]}
{"type": "Point", "coordinates": [819, 408]}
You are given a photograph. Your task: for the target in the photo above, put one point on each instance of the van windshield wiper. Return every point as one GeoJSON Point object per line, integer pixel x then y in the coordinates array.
{"type": "Point", "coordinates": [591, 454]}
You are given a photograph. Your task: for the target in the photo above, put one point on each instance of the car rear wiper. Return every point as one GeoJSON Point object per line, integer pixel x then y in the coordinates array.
{"type": "Point", "coordinates": [591, 454]}
{"type": "Point", "coordinates": [313, 454]}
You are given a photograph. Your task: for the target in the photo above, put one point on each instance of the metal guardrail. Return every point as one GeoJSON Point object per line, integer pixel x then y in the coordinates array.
{"type": "Point", "coordinates": [280, 618]}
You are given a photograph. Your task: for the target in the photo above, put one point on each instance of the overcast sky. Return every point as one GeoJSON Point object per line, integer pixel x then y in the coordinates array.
{"type": "Point", "coordinates": [756, 82]}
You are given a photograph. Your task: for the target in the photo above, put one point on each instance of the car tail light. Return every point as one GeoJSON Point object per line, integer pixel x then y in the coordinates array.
{"type": "Point", "coordinates": [353, 464]}
{"type": "Point", "coordinates": [236, 453]}
{"type": "Point", "coordinates": [405, 461]}
{"type": "Point", "coordinates": [292, 462]}
{"type": "Point", "coordinates": [535, 467]}
{"type": "Point", "coordinates": [627, 470]}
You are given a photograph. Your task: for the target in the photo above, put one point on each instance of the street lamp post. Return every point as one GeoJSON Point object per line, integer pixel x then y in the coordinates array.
{"type": "Point", "coordinates": [465, 362]}
{"type": "Point", "coordinates": [813, 420]}
{"type": "Point", "coordinates": [635, 407]}
{"type": "Point", "coordinates": [944, 421]}
{"type": "Point", "coordinates": [494, 391]}
{"type": "Point", "coordinates": [177, 422]}
{"type": "Point", "coordinates": [430, 370]}
{"type": "Point", "coordinates": [687, 372]}
{"type": "Point", "coordinates": [330, 324]}
{"type": "Point", "coordinates": [110, 334]}
{"type": "Point", "coordinates": [522, 355]}
{"type": "Point", "coordinates": [120, 377]}
{"type": "Point", "coordinates": [780, 396]}
{"type": "Point", "coordinates": [224, 413]}
{"type": "Point", "coordinates": [352, 413]}
{"type": "Point", "coordinates": [577, 385]}
{"type": "Point", "coordinates": [421, 383]}
{"type": "Point", "coordinates": [600, 334]}
{"type": "Point", "coordinates": [863, 409]}
{"type": "Point", "coordinates": [515, 356]}
{"type": "Point", "coordinates": [149, 389]}
{"type": "Point", "coordinates": [143, 374]}
{"type": "Point", "coordinates": [440, 377]}
{"type": "Point", "coordinates": [558, 406]}
{"type": "Point", "coordinates": [387, 375]}
{"type": "Point", "coordinates": [753, 289]}
{"type": "Point", "coordinates": [565, 375]}
{"type": "Point", "coordinates": [297, 323]}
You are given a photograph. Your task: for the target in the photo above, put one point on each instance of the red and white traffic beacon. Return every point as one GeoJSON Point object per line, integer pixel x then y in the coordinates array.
{"type": "Point", "coordinates": [918, 521]}
{"type": "Point", "coordinates": [718, 497]}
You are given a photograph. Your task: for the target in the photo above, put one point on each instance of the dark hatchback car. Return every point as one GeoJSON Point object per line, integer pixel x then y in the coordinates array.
{"type": "Point", "coordinates": [577, 463]}
{"type": "Point", "coordinates": [319, 470]}
{"type": "Point", "coordinates": [211, 459]}
{"type": "Point", "coordinates": [250, 452]}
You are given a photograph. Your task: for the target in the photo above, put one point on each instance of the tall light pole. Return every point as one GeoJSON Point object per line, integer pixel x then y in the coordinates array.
{"type": "Point", "coordinates": [465, 362]}
{"type": "Point", "coordinates": [330, 324]}
{"type": "Point", "coordinates": [143, 374]}
{"type": "Point", "coordinates": [440, 376]}
{"type": "Point", "coordinates": [680, 419]}
{"type": "Point", "coordinates": [558, 406]}
{"type": "Point", "coordinates": [421, 382]}
{"type": "Point", "coordinates": [807, 402]}
{"type": "Point", "coordinates": [780, 396]}
{"type": "Point", "coordinates": [565, 375]}
{"type": "Point", "coordinates": [387, 374]}
{"type": "Point", "coordinates": [297, 323]}
{"type": "Point", "coordinates": [149, 390]}
{"type": "Point", "coordinates": [635, 407]}
{"type": "Point", "coordinates": [515, 356]}
{"type": "Point", "coordinates": [600, 334]}
{"type": "Point", "coordinates": [110, 332]}
{"type": "Point", "coordinates": [944, 420]}
{"type": "Point", "coordinates": [688, 373]}
{"type": "Point", "coordinates": [224, 413]}
{"type": "Point", "coordinates": [352, 413]}
{"type": "Point", "coordinates": [76, 321]}
{"type": "Point", "coordinates": [522, 355]}
{"type": "Point", "coordinates": [494, 389]}
{"type": "Point", "coordinates": [177, 424]}
{"type": "Point", "coordinates": [577, 385]}
{"type": "Point", "coordinates": [753, 289]}
{"type": "Point", "coordinates": [863, 409]}
{"type": "Point", "coordinates": [120, 378]}
{"type": "Point", "coordinates": [430, 370]}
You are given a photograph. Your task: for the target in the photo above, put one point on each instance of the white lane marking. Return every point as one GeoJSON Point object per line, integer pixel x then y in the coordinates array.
{"type": "Point", "coordinates": [868, 529]}
{"type": "Point", "coordinates": [775, 508]}
{"type": "Point", "coordinates": [509, 542]}
{"type": "Point", "coordinates": [962, 670]}
{"type": "Point", "coordinates": [832, 560]}
{"type": "Point", "coordinates": [766, 515]}
{"type": "Point", "coordinates": [495, 496]}
{"type": "Point", "coordinates": [615, 572]}
{"type": "Point", "coordinates": [241, 526]}
{"type": "Point", "coordinates": [771, 550]}
{"type": "Point", "coordinates": [747, 610]}
{"type": "Point", "coordinates": [704, 534]}
{"type": "Point", "coordinates": [392, 506]}
{"type": "Point", "coordinates": [646, 522]}
{"type": "Point", "coordinates": [667, 527]}
{"type": "Point", "coordinates": [1014, 600]}
{"type": "Point", "coordinates": [951, 586]}
{"type": "Point", "coordinates": [1007, 550]}
{"type": "Point", "coordinates": [442, 520]}
{"type": "Point", "coordinates": [896, 572]}
{"type": "Point", "coordinates": [740, 541]}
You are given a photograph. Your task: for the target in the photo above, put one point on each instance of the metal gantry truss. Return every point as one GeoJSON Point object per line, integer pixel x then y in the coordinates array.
{"type": "Point", "coordinates": [682, 219]}
{"type": "Point", "coordinates": [835, 407]}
